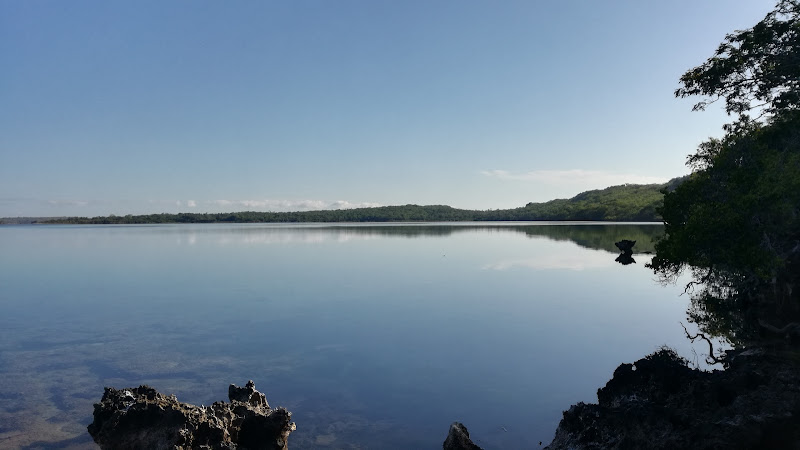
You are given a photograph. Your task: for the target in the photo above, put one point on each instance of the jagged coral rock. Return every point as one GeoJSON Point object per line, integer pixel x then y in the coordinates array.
{"type": "Point", "coordinates": [458, 438]}
{"type": "Point", "coordinates": [136, 418]}
{"type": "Point", "coordinates": [660, 403]}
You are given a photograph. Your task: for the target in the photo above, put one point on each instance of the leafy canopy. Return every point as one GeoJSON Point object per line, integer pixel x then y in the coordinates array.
{"type": "Point", "coordinates": [755, 68]}
{"type": "Point", "coordinates": [735, 222]}
{"type": "Point", "coordinates": [738, 213]}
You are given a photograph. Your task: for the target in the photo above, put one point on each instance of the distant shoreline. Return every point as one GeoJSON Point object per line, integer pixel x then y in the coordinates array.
{"type": "Point", "coordinates": [367, 223]}
{"type": "Point", "coordinates": [624, 203]}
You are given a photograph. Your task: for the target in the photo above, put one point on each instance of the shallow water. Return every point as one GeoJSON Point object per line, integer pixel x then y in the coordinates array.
{"type": "Point", "coordinates": [373, 336]}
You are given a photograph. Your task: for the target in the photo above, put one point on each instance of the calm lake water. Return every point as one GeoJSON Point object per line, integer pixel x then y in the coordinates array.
{"type": "Point", "coordinates": [373, 336]}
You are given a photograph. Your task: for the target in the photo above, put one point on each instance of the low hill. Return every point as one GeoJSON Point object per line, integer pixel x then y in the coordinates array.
{"type": "Point", "coordinates": [624, 203]}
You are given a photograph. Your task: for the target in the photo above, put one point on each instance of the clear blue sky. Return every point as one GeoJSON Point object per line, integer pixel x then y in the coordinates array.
{"type": "Point", "coordinates": [167, 106]}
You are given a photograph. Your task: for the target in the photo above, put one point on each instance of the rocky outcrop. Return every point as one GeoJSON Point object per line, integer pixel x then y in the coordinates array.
{"type": "Point", "coordinates": [137, 418]}
{"type": "Point", "coordinates": [660, 403]}
{"type": "Point", "coordinates": [625, 245]}
{"type": "Point", "coordinates": [458, 438]}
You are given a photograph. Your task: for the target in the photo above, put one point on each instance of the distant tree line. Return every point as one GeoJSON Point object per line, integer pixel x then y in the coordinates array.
{"type": "Point", "coordinates": [25, 220]}
{"type": "Point", "coordinates": [624, 203]}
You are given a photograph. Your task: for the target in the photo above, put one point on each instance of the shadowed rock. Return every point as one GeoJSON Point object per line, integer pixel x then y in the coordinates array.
{"type": "Point", "coordinates": [660, 403]}
{"type": "Point", "coordinates": [247, 394]}
{"type": "Point", "coordinates": [625, 245]}
{"type": "Point", "coordinates": [458, 438]}
{"type": "Point", "coordinates": [137, 418]}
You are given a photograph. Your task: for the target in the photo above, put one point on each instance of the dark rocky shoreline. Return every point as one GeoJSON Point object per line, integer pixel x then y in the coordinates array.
{"type": "Point", "coordinates": [658, 402]}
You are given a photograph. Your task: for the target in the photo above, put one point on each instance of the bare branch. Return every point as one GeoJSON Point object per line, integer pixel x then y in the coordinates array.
{"type": "Point", "coordinates": [710, 359]}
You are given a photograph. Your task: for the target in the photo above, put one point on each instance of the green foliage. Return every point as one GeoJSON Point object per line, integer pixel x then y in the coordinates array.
{"type": "Point", "coordinates": [756, 67]}
{"type": "Point", "coordinates": [736, 220]}
{"type": "Point", "coordinates": [407, 213]}
{"type": "Point", "coordinates": [628, 202]}
{"type": "Point", "coordinates": [624, 203]}
{"type": "Point", "coordinates": [738, 212]}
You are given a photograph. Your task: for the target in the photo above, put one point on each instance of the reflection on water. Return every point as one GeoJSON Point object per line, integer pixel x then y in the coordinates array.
{"type": "Point", "coordinates": [625, 259]}
{"type": "Point", "coordinates": [600, 236]}
{"type": "Point", "coordinates": [743, 312]}
{"type": "Point", "coordinates": [367, 336]}
{"type": "Point", "coordinates": [555, 260]}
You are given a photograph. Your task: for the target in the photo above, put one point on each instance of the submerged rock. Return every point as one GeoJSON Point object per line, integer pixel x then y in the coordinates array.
{"type": "Point", "coordinates": [137, 418]}
{"type": "Point", "coordinates": [660, 403]}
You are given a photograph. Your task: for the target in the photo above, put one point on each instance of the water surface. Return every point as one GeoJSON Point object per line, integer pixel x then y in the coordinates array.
{"type": "Point", "coordinates": [374, 336]}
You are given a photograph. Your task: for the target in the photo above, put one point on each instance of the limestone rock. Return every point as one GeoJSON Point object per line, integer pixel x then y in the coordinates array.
{"type": "Point", "coordinates": [137, 418]}
{"type": "Point", "coordinates": [247, 394]}
{"type": "Point", "coordinates": [660, 403]}
{"type": "Point", "coordinates": [458, 438]}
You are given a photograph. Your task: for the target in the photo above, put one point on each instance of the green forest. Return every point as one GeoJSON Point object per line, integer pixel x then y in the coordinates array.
{"type": "Point", "coordinates": [734, 223]}
{"type": "Point", "coordinates": [624, 203]}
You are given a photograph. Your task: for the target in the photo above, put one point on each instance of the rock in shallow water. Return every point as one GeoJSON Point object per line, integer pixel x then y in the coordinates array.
{"type": "Point", "coordinates": [458, 438]}
{"type": "Point", "coordinates": [625, 245]}
{"type": "Point", "coordinates": [137, 418]}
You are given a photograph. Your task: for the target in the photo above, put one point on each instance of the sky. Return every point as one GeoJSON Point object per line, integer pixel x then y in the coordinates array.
{"type": "Point", "coordinates": [200, 106]}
